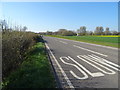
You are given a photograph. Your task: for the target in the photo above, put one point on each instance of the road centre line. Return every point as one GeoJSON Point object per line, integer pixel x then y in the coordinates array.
{"type": "Point", "coordinates": [63, 42]}
{"type": "Point", "coordinates": [90, 44]}
{"type": "Point", "coordinates": [62, 71]}
{"type": "Point", "coordinates": [90, 51]}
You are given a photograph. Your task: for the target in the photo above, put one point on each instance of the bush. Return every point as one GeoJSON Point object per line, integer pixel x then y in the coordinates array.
{"type": "Point", "coordinates": [34, 72]}
{"type": "Point", "coordinates": [69, 33]}
{"type": "Point", "coordinates": [14, 47]}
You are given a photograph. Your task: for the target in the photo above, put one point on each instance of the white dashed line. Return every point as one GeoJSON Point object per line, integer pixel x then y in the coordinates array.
{"type": "Point", "coordinates": [63, 42]}
{"type": "Point", "coordinates": [90, 44]}
{"type": "Point", "coordinates": [90, 51]}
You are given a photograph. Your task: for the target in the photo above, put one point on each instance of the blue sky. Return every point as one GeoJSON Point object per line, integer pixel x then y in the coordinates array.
{"type": "Point", "coordinates": [51, 16]}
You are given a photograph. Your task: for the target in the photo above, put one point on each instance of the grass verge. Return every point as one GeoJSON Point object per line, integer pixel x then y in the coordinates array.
{"type": "Point", "coordinates": [107, 41]}
{"type": "Point", "coordinates": [34, 72]}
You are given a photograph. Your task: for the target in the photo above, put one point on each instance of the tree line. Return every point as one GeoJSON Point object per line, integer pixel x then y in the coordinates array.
{"type": "Point", "coordinates": [5, 26]}
{"type": "Point", "coordinates": [83, 31]}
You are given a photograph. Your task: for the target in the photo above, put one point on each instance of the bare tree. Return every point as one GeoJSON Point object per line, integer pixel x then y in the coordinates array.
{"type": "Point", "coordinates": [3, 25]}
{"type": "Point", "coordinates": [82, 30]}
{"type": "Point", "coordinates": [99, 30]}
{"type": "Point", "coordinates": [89, 33]}
{"type": "Point", "coordinates": [107, 32]}
{"type": "Point", "coordinates": [24, 28]}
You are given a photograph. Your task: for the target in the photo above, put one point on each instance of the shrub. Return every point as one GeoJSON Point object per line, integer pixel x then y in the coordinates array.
{"type": "Point", "coordinates": [14, 47]}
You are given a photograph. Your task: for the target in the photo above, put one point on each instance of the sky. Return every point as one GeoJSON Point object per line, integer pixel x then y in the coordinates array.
{"type": "Point", "coordinates": [52, 16]}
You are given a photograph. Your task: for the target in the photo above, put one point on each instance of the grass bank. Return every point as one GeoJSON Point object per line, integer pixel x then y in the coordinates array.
{"type": "Point", "coordinates": [34, 71]}
{"type": "Point", "coordinates": [107, 41]}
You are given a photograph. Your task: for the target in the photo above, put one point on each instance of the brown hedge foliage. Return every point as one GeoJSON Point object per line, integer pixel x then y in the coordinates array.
{"type": "Point", "coordinates": [14, 47]}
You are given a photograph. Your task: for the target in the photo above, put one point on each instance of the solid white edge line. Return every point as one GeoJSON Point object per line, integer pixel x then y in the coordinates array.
{"type": "Point", "coordinates": [90, 51]}
{"type": "Point", "coordinates": [62, 71]}
{"type": "Point", "coordinates": [90, 44]}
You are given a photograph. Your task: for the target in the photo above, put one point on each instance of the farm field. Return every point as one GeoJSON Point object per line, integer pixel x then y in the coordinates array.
{"type": "Point", "coordinates": [110, 40]}
{"type": "Point", "coordinates": [108, 36]}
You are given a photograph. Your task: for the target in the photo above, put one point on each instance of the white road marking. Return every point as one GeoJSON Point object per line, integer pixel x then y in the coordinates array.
{"type": "Point", "coordinates": [78, 76]}
{"type": "Point", "coordinates": [100, 60]}
{"type": "Point", "coordinates": [90, 44]}
{"type": "Point", "coordinates": [116, 65]}
{"type": "Point", "coordinates": [85, 75]}
{"type": "Point", "coordinates": [62, 71]}
{"type": "Point", "coordinates": [97, 74]}
{"type": "Point", "coordinates": [93, 60]}
{"type": "Point", "coordinates": [63, 42]}
{"type": "Point", "coordinates": [90, 51]}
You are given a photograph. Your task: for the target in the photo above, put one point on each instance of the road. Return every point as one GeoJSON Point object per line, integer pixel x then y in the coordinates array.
{"type": "Point", "coordinates": [83, 65]}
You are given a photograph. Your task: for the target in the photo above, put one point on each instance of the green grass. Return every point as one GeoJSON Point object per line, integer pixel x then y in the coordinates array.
{"type": "Point", "coordinates": [107, 41]}
{"type": "Point", "coordinates": [34, 72]}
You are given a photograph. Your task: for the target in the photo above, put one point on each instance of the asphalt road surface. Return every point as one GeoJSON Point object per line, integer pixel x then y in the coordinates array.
{"type": "Point", "coordinates": [83, 65]}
